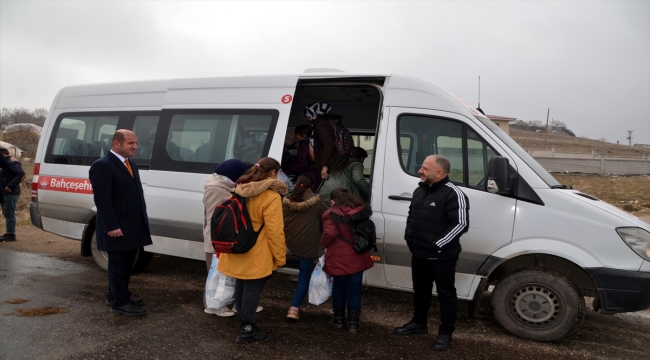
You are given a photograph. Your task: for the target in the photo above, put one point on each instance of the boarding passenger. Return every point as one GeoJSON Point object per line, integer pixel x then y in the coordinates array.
{"type": "Point", "coordinates": [347, 172]}
{"type": "Point", "coordinates": [296, 159]}
{"type": "Point", "coordinates": [341, 260]}
{"type": "Point", "coordinates": [438, 216]}
{"type": "Point", "coordinates": [263, 191]}
{"type": "Point", "coordinates": [324, 146]}
{"type": "Point", "coordinates": [303, 211]}
{"type": "Point", "coordinates": [218, 188]}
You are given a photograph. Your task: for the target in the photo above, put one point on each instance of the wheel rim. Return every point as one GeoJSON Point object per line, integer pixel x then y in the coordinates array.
{"type": "Point", "coordinates": [535, 305]}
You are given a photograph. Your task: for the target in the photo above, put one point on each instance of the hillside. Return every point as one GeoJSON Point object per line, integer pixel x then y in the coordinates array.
{"type": "Point", "coordinates": [568, 144]}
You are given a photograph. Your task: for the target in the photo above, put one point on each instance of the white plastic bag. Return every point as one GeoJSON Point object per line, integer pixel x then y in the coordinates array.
{"type": "Point", "coordinates": [219, 288]}
{"type": "Point", "coordinates": [320, 284]}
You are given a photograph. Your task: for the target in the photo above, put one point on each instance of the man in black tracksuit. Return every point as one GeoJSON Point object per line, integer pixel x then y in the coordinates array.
{"type": "Point", "coordinates": [438, 216]}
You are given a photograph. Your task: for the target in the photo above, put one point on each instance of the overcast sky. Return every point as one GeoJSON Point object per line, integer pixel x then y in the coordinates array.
{"type": "Point", "coordinates": [588, 61]}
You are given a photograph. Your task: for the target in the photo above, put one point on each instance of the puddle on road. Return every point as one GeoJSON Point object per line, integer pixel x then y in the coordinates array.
{"type": "Point", "coordinates": [26, 263]}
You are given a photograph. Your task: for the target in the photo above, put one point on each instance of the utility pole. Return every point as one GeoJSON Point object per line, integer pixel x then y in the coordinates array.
{"type": "Point", "coordinates": [629, 137]}
{"type": "Point", "coordinates": [546, 134]}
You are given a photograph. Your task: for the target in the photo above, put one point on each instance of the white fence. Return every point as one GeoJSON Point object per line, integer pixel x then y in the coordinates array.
{"type": "Point", "coordinates": [591, 163]}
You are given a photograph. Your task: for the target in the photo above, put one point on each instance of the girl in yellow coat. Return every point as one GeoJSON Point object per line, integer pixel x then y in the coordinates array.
{"type": "Point", "coordinates": [263, 192]}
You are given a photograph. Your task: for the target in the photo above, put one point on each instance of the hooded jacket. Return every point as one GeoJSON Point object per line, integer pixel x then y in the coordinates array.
{"type": "Point", "coordinates": [350, 178]}
{"type": "Point", "coordinates": [438, 216]}
{"type": "Point", "coordinates": [302, 224]}
{"type": "Point", "coordinates": [217, 190]}
{"type": "Point", "coordinates": [264, 205]}
{"type": "Point", "coordinates": [340, 257]}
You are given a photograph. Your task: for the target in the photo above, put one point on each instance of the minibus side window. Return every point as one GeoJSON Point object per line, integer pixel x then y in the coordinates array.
{"type": "Point", "coordinates": [451, 147]}
{"type": "Point", "coordinates": [478, 155]}
{"type": "Point", "coordinates": [366, 142]}
{"type": "Point", "coordinates": [80, 140]}
{"type": "Point", "coordinates": [420, 136]}
{"type": "Point", "coordinates": [197, 140]}
{"type": "Point", "coordinates": [145, 127]}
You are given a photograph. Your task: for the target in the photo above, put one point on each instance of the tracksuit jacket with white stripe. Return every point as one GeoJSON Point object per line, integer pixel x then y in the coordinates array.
{"type": "Point", "coordinates": [438, 216]}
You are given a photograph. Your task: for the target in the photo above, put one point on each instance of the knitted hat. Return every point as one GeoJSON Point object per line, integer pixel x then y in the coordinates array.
{"type": "Point", "coordinates": [318, 108]}
{"type": "Point", "coordinates": [233, 169]}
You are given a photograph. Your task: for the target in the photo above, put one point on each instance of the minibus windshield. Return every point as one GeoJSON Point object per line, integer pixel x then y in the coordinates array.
{"type": "Point", "coordinates": [523, 155]}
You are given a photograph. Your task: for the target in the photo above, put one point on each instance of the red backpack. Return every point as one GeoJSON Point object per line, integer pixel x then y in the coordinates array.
{"type": "Point", "coordinates": [231, 228]}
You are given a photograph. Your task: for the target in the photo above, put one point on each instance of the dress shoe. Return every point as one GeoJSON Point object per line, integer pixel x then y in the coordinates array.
{"type": "Point", "coordinates": [130, 310]}
{"type": "Point", "coordinates": [8, 237]}
{"type": "Point", "coordinates": [442, 343]}
{"type": "Point", "coordinates": [134, 301]}
{"type": "Point", "coordinates": [251, 333]}
{"type": "Point", "coordinates": [411, 328]}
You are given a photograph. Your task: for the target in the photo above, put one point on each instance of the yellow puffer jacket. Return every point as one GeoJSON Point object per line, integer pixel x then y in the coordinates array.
{"type": "Point", "coordinates": [264, 204]}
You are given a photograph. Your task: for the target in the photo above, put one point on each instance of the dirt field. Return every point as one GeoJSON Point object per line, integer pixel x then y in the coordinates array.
{"type": "Point", "coordinates": [630, 193]}
{"type": "Point", "coordinates": [568, 144]}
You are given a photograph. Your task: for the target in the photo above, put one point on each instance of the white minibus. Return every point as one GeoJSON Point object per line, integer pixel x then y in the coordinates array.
{"type": "Point", "coordinates": [542, 245]}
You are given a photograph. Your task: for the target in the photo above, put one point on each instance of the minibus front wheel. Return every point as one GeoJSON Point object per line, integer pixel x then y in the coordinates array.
{"type": "Point", "coordinates": [536, 304]}
{"type": "Point", "coordinates": [142, 258]}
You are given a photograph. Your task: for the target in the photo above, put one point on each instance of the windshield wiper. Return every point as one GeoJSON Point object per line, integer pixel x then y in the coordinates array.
{"type": "Point", "coordinates": [563, 186]}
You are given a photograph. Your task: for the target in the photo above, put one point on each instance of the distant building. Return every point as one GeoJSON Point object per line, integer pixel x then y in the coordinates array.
{"type": "Point", "coordinates": [502, 121]}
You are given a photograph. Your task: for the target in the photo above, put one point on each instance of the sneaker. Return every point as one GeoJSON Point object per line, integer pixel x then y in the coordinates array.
{"type": "Point", "coordinates": [293, 314]}
{"type": "Point", "coordinates": [259, 309]}
{"type": "Point", "coordinates": [251, 333]}
{"type": "Point", "coordinates": [223, 312]}
{"type": "Point", "coordinates": [8, 237]}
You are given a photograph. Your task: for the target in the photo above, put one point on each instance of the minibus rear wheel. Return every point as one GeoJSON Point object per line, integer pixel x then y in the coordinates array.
{"type": "Point", "coordinates": [142, 258]}
{"type": "Point", "coordinates": [540, 305]}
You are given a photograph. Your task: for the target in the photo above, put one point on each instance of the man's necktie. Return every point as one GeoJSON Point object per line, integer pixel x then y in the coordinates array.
{"type": "Point", "coordinates": [128, 166]}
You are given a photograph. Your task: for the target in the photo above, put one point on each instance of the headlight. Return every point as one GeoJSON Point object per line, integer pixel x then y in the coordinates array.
{"type": "Point", "coordinates": [637, 239]}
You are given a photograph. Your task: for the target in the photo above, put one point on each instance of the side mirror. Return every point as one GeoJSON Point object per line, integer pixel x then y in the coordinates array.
{"type": "Point", "coordinates": [499, 181]}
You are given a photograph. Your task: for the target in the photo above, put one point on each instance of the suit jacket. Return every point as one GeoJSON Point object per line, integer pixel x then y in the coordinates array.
{"type": "Point", "coordinates": [120, 205]}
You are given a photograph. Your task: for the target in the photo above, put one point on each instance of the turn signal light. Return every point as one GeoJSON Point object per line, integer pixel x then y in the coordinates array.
{"type": "Point", "coordinates": [375, 258]}
{"type": "Point", "coordinates": [37, 170]}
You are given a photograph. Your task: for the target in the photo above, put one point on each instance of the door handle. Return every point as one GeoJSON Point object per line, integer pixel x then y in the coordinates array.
{"type": "Point", "coordinates": [395, 197]}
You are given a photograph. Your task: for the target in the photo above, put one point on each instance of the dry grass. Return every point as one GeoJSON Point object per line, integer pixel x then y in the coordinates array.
{"type": "Point", "coordinates": [16, 301]}
{"type": "Point", "coordinates": [42, 311]}
{"type": "Point", "coordinates": [27, 141]}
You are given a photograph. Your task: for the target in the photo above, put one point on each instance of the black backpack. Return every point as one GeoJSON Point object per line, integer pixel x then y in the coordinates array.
{"type": "Point", "coordinates": [364, 235]}
{"type": "Point", "coordinates": [231, 228]}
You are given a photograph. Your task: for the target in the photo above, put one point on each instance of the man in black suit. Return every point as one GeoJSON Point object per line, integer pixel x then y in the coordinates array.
{"type": "Point", "coordinates": [122, 224]}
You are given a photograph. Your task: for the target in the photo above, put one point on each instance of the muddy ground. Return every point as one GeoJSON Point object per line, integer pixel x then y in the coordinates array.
{"type": "Point", "coordinates": [48, 271]}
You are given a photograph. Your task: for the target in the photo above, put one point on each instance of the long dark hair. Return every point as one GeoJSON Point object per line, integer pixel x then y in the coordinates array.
{"type": "Point", "coordinates": [342, 197]}
{"type": "Point", "coordinates": [259, 171]}
{"type": "Point", "coordinates": [339, 164]}
{"type": "Point", "coordinates": [302, 184]}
